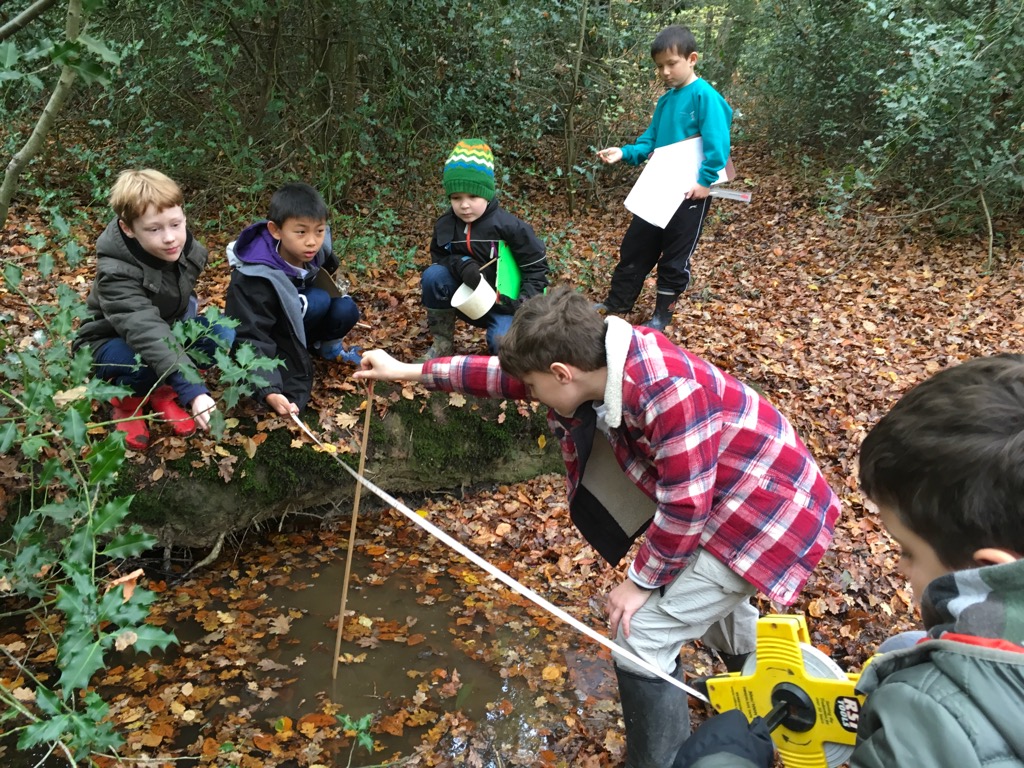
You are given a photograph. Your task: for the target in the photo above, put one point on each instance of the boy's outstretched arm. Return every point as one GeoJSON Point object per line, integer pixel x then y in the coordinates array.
{"type": "Point", "coordinates": [378, 364]}
{"type": "Point", "coordinates": [280, 404]}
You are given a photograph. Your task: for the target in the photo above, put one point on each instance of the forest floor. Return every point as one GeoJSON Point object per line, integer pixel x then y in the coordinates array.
{"type": "Point", "coordinates": [831, 318]}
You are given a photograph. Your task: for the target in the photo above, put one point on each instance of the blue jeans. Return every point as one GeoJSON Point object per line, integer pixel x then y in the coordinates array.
{"type": "Point", "coordinates": [328, 318]}
{"type": "Point", "coordinates": [439, 286]}
{"type": "Point", "coordinates": [115, 361]}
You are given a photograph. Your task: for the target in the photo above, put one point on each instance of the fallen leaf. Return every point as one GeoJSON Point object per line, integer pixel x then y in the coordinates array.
{"type": "Point", "coordinates": [125, 639]}
{"type": "Point", "coordinates": [268, 665]}
{"type": "Point", "coordinates": [264, 742]}
{"type": "Point", "coordinates": [551, 672]}
{"type": "Point", "coordinates": [280, 625]}
{"type": "Point", "coordinates": [69, 395]}
{"type": "Point", "coordinates": [127, 583]}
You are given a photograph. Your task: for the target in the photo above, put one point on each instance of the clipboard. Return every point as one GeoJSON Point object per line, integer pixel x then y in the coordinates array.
{"type": "Point", "coordinates": [325, 282]}
{"type": "Point", "coordinates": [667, 176]}
{"type": "Point", "coordinates": [509, 280]}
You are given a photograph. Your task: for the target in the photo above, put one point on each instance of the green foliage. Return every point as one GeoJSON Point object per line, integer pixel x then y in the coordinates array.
{"type": "Point", "coordinates": [572, 263]}
{"type": "Point", "coordinates": [90, 58]}
{"type": "Point", "coordinates": [361, 730]}
{"type": "Point", "coordinates": [239, 98]}
{"type": "Point", "coordinates": [71, 532]}
{"type": "Point", "coordinates": [922, 98]}
{"type": "Point", "coordinates": [372, 241]}
{"type": "Point", "coordinates": [54, 550]}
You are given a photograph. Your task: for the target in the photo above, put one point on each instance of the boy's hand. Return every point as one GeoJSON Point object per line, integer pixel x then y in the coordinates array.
{"type": "Point", "coordinates": [698, 192]}
{"type": "Point", "coordinates": [378, 364]}
{"type": "Point", "coordinates": [280, 404]}
{"type": "Point", "coordinates": [622, 602]}
{"type": "Point", "coordinates": [611, 155]}
{"type": "Point", "coordinates": [203, 407]}
{"type": "Point", "coordinates": [729, 733]}
{"type": "Point", "coordinates": [469, 272]}
{"type": "Point", "coordinates": [512, 304]}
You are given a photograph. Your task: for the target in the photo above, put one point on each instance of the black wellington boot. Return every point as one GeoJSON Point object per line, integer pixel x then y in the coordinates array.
{"type": "Point", "coordinates": [664, 303]}
{"type": "Point", "coordinates": [657, 717]}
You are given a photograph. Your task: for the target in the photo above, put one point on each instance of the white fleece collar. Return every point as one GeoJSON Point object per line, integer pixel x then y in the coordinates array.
{"type": "Point", "coordinates": [617, 339]}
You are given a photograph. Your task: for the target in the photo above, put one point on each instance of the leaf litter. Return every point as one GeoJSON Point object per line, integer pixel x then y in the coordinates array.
{"type": "Point", "coordinates": [831, 319]}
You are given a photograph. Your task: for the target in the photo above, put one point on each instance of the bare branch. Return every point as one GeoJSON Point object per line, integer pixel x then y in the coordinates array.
{"type": "Point", "coordinates": [72, 28]}
{"type": "Point", "coordinates": [26, 17]}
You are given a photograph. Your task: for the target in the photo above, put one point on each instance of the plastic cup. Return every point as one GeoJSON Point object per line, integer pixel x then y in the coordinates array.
{"type": "Point", "coordinates": [474, 304]}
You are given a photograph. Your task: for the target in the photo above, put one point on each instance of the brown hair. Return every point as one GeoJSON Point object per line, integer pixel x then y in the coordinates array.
{"type": "Point", "coordinates": [136, 190]}
{"type": "Point", "coordinates": [948, 459]}
{"type": "Point", "coordinates": [560, 326]}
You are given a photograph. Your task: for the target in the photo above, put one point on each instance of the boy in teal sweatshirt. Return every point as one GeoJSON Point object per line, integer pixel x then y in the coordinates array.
{"type": "Point", "coordinates": [691, 107]}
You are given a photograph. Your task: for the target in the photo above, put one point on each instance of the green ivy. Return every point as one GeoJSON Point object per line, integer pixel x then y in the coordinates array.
{"type": "Point", "coordinates": [70, 529]}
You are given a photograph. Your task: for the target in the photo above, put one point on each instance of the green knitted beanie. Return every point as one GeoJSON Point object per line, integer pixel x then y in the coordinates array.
{"type": "Point", "coordinates": [470, 169]}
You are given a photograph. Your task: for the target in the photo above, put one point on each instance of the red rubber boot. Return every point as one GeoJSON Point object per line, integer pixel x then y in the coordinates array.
{"type": "Point", "coordinates": [164, 403]}
{"type": "Point", "coordinates": [135, 429]}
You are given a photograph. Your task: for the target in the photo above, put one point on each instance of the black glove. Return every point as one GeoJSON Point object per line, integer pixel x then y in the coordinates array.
{"type": "Point", "coordinates": [511, 305]}
{"type": "Point", "coordinates": [729, 733]}
{"type": "Point", "coordinates": [468, 271]}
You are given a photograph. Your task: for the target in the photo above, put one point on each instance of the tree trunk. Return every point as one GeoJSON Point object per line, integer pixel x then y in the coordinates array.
{"type": "Point", "coordinates": [570, 136]}
{"type": "Point", "coordinates": [46, 120]}
{"type": "Point", "coordinates": [26, 17]}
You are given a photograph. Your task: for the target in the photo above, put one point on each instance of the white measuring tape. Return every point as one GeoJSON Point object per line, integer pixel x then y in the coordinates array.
{"type": "Point", "coordinates": [514, 585]}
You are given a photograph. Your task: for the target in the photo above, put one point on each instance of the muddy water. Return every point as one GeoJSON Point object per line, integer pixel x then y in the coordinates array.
{"type": "Point", "coordinates": [360, 686]}
{"type": "Point", "coordinates": [391, 671]}
{"type": "Point", "coordinates": [389, 674]}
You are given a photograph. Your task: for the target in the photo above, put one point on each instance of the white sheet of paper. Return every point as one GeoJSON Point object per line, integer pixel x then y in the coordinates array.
{"type": "Point", "coordinates": [668, 175]}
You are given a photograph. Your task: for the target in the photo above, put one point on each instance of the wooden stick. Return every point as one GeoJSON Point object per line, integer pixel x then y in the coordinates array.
{"type": "Point", "coordinates": [485, 266]}
{"type": "Point", "coordinates": [352, 530]}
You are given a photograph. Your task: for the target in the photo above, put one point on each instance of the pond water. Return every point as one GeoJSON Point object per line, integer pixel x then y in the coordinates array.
{"type": "Point", "coordinates": [257, 634]}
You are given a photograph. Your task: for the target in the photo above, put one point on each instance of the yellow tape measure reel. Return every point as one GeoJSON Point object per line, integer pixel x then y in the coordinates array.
{"type": "Point", "coordinates": [809, 703]}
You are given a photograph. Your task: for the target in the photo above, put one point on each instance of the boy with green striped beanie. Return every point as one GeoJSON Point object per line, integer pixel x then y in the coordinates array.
{"type": "Point", "coordinates": [465, 247]}
{"type": "Point", "coordinates": [470, 169]}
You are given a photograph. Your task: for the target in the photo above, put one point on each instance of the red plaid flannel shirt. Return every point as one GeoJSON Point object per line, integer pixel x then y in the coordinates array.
{"type": "Point", "coordinates": [726, 468]}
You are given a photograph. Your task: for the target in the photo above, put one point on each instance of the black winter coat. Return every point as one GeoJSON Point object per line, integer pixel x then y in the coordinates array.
{"type": "Point", "coordinates": [453, 239]}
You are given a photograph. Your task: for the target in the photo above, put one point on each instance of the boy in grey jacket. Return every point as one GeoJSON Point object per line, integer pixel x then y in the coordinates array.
{"type": "Point", "coordinates": [146, 271]}
{"type": "Point", "coordinates": [945, 468]}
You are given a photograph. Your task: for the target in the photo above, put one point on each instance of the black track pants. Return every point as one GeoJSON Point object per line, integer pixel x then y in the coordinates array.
{"type": "Point", "coordinates": [645, 246]}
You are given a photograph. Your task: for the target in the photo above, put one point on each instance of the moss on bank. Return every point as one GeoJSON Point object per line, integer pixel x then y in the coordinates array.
{"type": "Point", "coordinates": [420, 445]}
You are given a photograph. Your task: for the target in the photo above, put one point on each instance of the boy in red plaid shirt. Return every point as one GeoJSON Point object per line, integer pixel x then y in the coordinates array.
{"type": "Point", "coordinates": [660, 442]}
